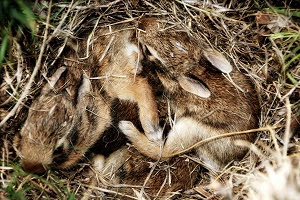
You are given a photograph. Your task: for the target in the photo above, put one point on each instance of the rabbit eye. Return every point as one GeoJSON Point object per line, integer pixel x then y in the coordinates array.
{"type": "Point", "coordinates": [58, 151]}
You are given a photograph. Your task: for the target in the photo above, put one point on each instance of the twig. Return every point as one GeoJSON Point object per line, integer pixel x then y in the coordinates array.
{"type": "Point", "coordinates": [60, 23]}
{"type": "Point", "coordinates": [109, 191]}
{"type": "Point", "coordinates": [219, 137]}
{"type": "Point", "coordinates": [287, 132]}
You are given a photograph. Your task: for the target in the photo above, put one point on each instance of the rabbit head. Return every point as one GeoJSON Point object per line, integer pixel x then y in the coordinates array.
{"type": "Point", "coordinates": [178, 54]}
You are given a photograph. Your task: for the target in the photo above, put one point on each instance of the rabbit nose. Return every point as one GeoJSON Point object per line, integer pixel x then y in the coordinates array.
{"type": "Point", "coordinates": [32, 167]}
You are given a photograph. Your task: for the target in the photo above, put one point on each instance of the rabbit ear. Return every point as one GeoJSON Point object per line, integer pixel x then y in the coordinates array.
{"type": "Point", "coordinates": [83, 92]}
{"type": "Point", "coordinates": [53, 80]}
{"type": "Point", "coordinates": [218, 60]}
{"type": "Point", "coordinates": [154, 53]}
{"type": "Point", "coordinates": [193, 86]}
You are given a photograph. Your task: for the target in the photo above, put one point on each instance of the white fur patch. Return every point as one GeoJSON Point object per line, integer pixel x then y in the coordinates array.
{"type": "Point", "coordinates": [30, 135]}
{"type": "Point", "coordinates": [185, 132]}
{"type": "Point", "coordinates": [51, 111]}
{"type": "Point", "coordinates": [180, 47]}
{"type": "Point", "coordinates": [131, 48]}
{"type": "Point", "coordinates": [61, 141]}
{"type": "Point", "coordinates": [98, 162]}
{"type": "Point", "coordinates": [155, 54]}
{"type": "Point", "coordinates": [64, 124]}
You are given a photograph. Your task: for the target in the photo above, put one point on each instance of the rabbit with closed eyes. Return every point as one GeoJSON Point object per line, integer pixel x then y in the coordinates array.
{"type": "Point", "coordinates": [209, 106]}
{"type": "Point", "coordinates": [60, 127]}
{"type": "Point", "coordinates": [51, 126]}
{"type": "Point", "coordinates": [179, 54]}
{"type": "Point", "coordinates": [184, 68]}
{"type": "Point", "coordinates": [127, 167]}
{"type": "Point", "coordinates": [72, 112]}
{"type": "Point", "coordinates": [115, 60]}
{"type": "Point", "coordinates": [192, 115]}
{"type": "Point", "coordinates": [194, 119]}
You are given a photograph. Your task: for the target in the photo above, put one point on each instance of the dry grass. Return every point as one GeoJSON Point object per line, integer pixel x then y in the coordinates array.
{"type": "Point", "coordinates": [258, 40]}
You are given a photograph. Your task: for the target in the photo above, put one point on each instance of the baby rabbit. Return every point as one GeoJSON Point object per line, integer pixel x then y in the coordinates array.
{"type": "Point", "coordinates": [71, 112]}
{"type": "Point", "coordinates": [195, 117]}
{"type": "Point", "coordinates": [160, 179]}
{"type": "Point", "coordinates": [179, 54]}
{"type": "Point", "coordinates": [60, 127]}
{"type": "Point", "coordinates": [180, 72]}
{"type": "Point", "coordinates": [191, 124]}
{"type": "Point", "coordinates": [116, 63]}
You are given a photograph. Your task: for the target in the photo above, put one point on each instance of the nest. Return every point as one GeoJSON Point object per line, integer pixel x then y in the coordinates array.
{"type": "Point", "coordinates": [262, 43]}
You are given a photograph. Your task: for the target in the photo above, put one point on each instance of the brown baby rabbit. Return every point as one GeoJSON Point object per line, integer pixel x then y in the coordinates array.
{"type": "Point", "coordinates": [72, 112]}
{"type": "Point", "coordinates": [115, 61]}
{"type": "Point", "coordinates": [181, 66]}
{"type": "Point", "coordinates": [127, 167]}
{"type": "Point", "coordinates": [179, 54]}
{"type": "Point", "coordinates": [123, 60]}
{"type": "Point", "coordinates": [60, 127]}
{"type": "Point", "coordinates": [196, 115]}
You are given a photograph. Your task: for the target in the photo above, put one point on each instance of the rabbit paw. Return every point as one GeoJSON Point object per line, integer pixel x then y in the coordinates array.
{"type": "Point", "coordinates": [128, 128]}
{"type": "Point", "coordinates": [98, 162]}
{"type": "Point", "coordinates": [155, 134]}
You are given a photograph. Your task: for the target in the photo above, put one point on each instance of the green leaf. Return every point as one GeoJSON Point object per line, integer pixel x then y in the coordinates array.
{"type": "Point", "coordinates": [284, 11]}
{"type": "Point", "coordinates": [28, 15]}
{"type": "Point", "coordinates": [3, 49]}
{"type": "Point", "coordinates": [282, 35]}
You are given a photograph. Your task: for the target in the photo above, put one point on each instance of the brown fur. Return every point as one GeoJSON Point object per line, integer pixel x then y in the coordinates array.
{"type": "Point", "coordinates": [127, 166]}
{"type": "Point", "coordinates": [227, 109]}
{"type": "Point", "coordinates": [113, 138]}
{"type": "Point", "coordinates": [118, 70]}
{"type": "Point", "coordinates": [76, 113]}
{"type": "Point", "coordinates": [51, 117]}
{"type": "Point", "coordinates": [134, 88]}
{"type": "Point", "coordinates": [179, 52]}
